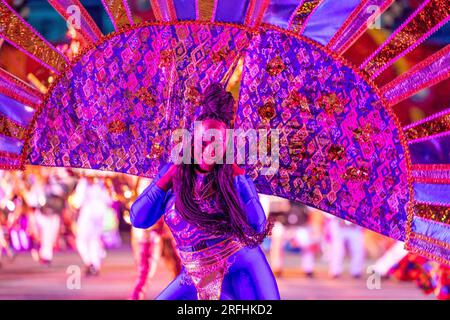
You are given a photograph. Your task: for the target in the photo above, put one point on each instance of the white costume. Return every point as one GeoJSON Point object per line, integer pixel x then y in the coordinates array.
{"type": "Point", "coordinates": [93, 200]}
{"type": "Point", "coordinates": [300, 235]}
{"type": "Point", "coordinates": [344, 233]}
{"type": "Point", "coordinates": [304, 239]}
{"type": "Point", "coordinates": [47, 223]}
{"type": "Point", "coordinates": [390, 258]}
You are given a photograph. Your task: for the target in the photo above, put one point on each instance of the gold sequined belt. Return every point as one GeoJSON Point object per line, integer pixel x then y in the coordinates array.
{"type": "Point", "coordinates": [208, 266]}
{"type": "Point", "coordinates": [204, 244]}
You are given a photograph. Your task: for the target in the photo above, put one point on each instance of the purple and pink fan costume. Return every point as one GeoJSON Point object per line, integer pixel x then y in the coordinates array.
{"type": "Point", "coordinates": [342, 149]}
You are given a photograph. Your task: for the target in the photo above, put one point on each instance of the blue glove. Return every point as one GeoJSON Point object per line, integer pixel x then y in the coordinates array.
{"type": "Point", "coordinates": [150, 205]}
{"type": "Point", "coordinates": [250, 202]}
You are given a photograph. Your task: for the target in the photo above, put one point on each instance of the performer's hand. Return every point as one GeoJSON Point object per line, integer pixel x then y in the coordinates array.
{"type": "Point", "coordinates": [237, 171]}
{"type": "Point", "coordinates": [166, 180]}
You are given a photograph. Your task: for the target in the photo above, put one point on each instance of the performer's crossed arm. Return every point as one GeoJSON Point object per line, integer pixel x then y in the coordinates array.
{"type": "Point", "coordinates": [250, 202]}
{"type": "Point", "coordinates": [150, 205]}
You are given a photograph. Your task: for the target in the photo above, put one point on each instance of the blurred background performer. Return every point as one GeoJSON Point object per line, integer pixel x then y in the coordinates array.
{"type": "Point", "coordinates": [344, 235]}
{"type": "Point", "coordinates": [149, 245]}
{"type": "Point", "coordinates": [93, 199]}
{"type": "Point", "coordinates": [47, 196]}
{"type": "Point", "coordinates": [304, 236]}
{"type": "Point", "coordinates": [278, 209]}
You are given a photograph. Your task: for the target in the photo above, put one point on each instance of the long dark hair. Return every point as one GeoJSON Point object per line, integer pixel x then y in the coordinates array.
{"type": "Point", "coordinates": [218, 104]}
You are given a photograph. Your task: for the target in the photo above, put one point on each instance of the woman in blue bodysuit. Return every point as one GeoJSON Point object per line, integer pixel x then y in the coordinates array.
{"type": "Point", "coordinates": [215, 216]}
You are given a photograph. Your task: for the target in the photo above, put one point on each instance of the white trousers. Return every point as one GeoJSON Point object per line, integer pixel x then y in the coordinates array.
{"type": "Point", "coordinates": [276, 247]}
{"type": "Point", "coordinates": [48, 226]}
{"type": "Point", "coordinates": [353, 237]}
{"type": "Point", "coordinates": [90, 247]}
{"type": "Point", "coordinates": [303, 238]}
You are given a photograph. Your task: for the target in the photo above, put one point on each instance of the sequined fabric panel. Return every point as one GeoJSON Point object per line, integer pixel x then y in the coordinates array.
{"type": "Point", "coordinates": [340, 150]}
{"type": "Point", "coordinates": [116, 109]}
{"type": "Point", "coordinates": [356, 24]}
{"type": "Point", "coordinates": [14, 29]}
{"type": "Point", "coordinates": [429, 16]}
{"type": "Point", "coordinates": [430, 71]}
{"type": "Point", "coordinates": [10, 128]}
{"type": "Point", "coordinates": [433, 212]}
{"type": "Point", "coordinates": [438, 125]}
{"type": "Point", "coordinates": [119, 12]}
{"type": "Point", "coordinates": [299, 18]}
{"type": "Point", "coordinates": [206, 9]}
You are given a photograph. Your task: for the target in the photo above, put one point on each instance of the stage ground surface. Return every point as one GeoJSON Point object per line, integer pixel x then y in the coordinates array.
{"type": "Point", "coordinates": [24, 278]}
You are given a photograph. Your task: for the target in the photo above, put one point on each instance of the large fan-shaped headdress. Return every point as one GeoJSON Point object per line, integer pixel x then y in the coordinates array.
{"type": "Point", "coordinates": [342, 148]}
